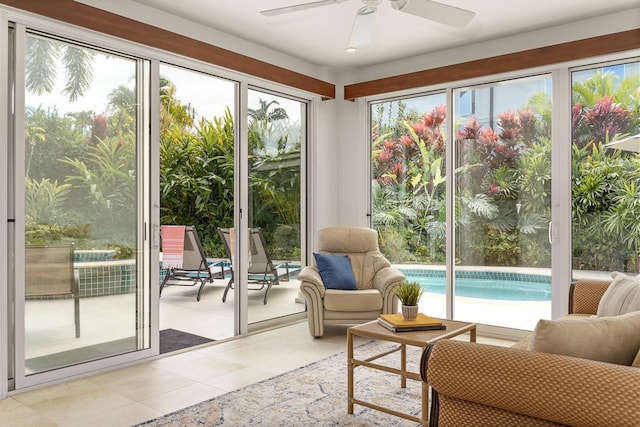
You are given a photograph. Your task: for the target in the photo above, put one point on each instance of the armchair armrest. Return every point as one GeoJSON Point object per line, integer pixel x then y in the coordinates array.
{"type": "Point", "coordinates": [312, 287]}
{"type": "Point", "coordinates": [549, 387]}
{"type": "Point", "coordinates": [311, 275]}
{"type": "Point", "coordinates": [313, 290]}
{"type": "Point", "coordinates": [386, 280]}
{"type": "Point", "coordinates": [585, 294]}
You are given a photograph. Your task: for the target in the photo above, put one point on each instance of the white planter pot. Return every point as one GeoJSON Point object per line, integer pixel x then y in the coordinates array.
{"type": "Point", "coordinates": [409, 312]}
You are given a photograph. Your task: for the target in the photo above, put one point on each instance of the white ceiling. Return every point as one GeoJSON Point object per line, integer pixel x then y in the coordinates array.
{"type": "Point", "coordinates": [319, 35]}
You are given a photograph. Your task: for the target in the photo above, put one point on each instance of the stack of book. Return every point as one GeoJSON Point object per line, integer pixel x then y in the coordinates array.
{"type": "Point", "coordinates": [397, 323]}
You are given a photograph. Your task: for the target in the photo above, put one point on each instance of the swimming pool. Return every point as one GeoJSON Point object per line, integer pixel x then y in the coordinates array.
{"type": "Point", "coordinates": [486, 284]}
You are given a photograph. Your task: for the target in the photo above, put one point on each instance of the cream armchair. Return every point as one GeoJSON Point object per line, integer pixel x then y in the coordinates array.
{"type": "Point", "coordinates": [375, 280]}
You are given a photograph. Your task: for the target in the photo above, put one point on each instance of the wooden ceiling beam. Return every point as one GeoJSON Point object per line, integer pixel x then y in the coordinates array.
{"type": "Point", "coordinates": [574, 50]}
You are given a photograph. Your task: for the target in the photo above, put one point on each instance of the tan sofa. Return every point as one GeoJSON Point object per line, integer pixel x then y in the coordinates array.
{"type": "Point", "coordinates": [375, 280]}
{"type": "Point", "coordinates": [484, 385]}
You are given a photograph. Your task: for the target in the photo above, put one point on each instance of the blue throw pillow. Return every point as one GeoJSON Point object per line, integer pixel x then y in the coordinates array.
{"type": "Point", "coordinates": [336, 271]}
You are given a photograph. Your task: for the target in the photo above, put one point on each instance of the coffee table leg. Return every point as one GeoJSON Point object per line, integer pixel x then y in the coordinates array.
{"type": "Point", "coordinates": [472, 335]}
{"type": "Point", "coordinates": [349, 372]}
{"type": "Point", "coordinates": [403, 365]}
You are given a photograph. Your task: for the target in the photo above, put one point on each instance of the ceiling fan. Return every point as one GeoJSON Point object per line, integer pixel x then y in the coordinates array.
{"type": "Point", "coordinates": [363, 23]}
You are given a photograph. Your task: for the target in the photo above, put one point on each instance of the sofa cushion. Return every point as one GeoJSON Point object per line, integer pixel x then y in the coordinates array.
{"type": "Point", "coordinates": [622, 296]}
{"type": "Point", "coordinates": [336, 271]}
{"type": "Point", "coordinates": [613, 339]}
{"type": "Point", "coordinates": [362, 300]}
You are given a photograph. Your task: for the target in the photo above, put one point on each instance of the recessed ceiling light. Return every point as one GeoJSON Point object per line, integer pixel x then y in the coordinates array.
{"type": "Point", "coordinates": [351, 49]}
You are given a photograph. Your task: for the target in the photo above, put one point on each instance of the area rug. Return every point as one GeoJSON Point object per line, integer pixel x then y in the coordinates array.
{"type": "Point", "coordinates": [314, 395]}
{"type": "Point", "coordinates": [172, 340]}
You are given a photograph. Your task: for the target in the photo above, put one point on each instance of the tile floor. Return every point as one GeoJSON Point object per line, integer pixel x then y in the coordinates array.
{"type": "Point", "coordinates": [134, 394]}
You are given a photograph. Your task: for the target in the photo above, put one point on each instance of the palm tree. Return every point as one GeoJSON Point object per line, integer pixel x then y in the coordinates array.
{"type": "Point", "coordinates": [41, 59]}
{"type": "Point", "coordinates": [261, 120]}
{"type": "Point", "coordinates": [263, 113]}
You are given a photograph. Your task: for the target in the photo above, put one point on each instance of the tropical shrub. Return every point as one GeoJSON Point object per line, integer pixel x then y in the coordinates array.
{"type": "Point", "coordinates": [503, 208]}
{"type": "Point", "coordinates": [196, 179]}
{"type": "Point", "coordinates": [105, 181]}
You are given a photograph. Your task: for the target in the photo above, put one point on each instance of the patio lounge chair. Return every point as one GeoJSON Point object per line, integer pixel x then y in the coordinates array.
{"type": "Point", "coordinates": [262, 271]}
{"type": "Point", "coordinates": [183, 259]}
{"type": "Point", "coordinates": [49, 272]}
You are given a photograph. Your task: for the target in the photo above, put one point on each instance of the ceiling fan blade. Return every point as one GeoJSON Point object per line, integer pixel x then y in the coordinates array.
{"type": "Point", "coordinates": [434, 11]}
{"type": "Point", "coordinates": [299, 7]}
{"type": "Point", "coordinates": [362, 27]}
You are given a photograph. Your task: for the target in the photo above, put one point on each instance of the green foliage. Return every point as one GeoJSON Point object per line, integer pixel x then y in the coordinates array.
{"type": "Point", "coordinates": [408, 187]}
{"type": "Point", "coordinates": [46, 214]}
{"type": "Point", "coordinates": [105, 180]}
{"type": "Point", "coordinates": [44, 201]}
{"type": "Point", "coordinates": [275, 177]}
{"type": "Point", "coordinates": [501, 248]}
{"type": "Point", "coordinates": [40, 234]}
{"type": "Point", "coordinates": [409, 293]}
{"type": "Point", "coordinates": [48, 134]}
{"type": "Point", "coordinates": [196, 178]}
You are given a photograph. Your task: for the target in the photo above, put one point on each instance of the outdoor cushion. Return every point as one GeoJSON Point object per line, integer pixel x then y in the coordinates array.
{"type": "Point", "coordinates": [622, 296]}
{"type": "Point", "coordinates": [336, 271]}
{"type": "Point", "coordinates": [612, 339]}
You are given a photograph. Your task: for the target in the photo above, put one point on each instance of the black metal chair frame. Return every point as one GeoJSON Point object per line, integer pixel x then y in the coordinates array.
{"type": "Point", "coordinates": [195, 269]}
{"type": "Point", "coordinates": [262, 273]}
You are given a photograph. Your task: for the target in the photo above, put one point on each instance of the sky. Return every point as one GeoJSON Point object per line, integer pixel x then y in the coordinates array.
{"type": "Point", "coordinates": [209, 95]}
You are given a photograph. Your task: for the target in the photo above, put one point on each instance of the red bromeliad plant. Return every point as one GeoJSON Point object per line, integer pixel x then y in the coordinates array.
{"type": "Point", "coordinates": [600, 123]}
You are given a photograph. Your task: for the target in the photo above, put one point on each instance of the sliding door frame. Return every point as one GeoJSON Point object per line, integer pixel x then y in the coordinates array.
{"type": "Point", "coordinates": [4, 208]}
{"type": "Point", "coordinates": [142, 188]}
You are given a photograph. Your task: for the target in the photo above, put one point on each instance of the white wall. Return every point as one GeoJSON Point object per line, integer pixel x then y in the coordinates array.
{"type": "Point", "coordinates": [324, 161]}
{"type": "Point", "coordinates": [353, 200]}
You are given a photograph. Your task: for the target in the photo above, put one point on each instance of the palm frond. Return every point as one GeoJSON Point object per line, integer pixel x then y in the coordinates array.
{"type": "Point", "coordinates": [78, 64]}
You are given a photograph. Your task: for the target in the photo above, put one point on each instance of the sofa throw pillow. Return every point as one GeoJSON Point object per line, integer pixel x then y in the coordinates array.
{"type": "Point", "coordinates": [335, 271]}
{"type": "Point", "coordinates": [622, 296]}
{"type": "Point", "coordinates": [612, 339]}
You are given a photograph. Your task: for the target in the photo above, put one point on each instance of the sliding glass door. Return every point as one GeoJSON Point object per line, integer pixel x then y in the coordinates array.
{"type": "Point", "coordinates": [408, 140]}
{"type": "Point", "coordinates": [277, 137]}
{"type": "Point", "coordinates": [495, 255]}
{"type": "Point", "coordinates": [80, 194]}
{"type": "Point", "coordinates": [197, 156]}
{"type": "Point", "coordinates": [605, 167]}
{"type": "Point", "coordinates": [502, 203]}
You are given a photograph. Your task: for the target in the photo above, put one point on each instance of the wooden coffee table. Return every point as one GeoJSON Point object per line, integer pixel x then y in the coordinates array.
{"type": "Point", "coordinates": [418, 339]}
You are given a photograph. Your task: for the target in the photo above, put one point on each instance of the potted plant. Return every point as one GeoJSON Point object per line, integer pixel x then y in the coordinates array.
{"type": "Point", "coordinates": [409, 294]}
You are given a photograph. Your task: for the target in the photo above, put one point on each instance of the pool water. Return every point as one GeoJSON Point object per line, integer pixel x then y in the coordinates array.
{"type": "Point", "coordinates": [495, 286]}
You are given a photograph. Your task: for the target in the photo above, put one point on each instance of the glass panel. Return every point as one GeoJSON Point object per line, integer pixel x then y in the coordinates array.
{"type": "Point", "coordinates": [503, 203]}
{"type": "Point", "coordinates": [408, 191]}
{"type": "Point", "coordinates": [81, 205]}
{"type": "Point", "coordinates": [605, 181]}
{"type": "Point", "coordinates": [277, 136]}
{"type": "Point", "coordinates": [196, 189]}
